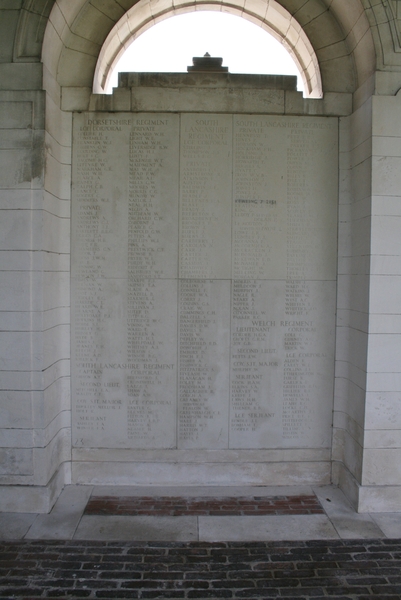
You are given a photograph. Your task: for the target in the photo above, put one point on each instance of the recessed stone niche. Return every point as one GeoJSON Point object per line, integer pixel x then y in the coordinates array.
{"type": "Point", "coordinates": [203, 297]}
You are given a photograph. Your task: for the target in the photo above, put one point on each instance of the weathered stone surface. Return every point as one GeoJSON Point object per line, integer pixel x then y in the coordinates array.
{"type": "Point", "coordinates": [203, 281]}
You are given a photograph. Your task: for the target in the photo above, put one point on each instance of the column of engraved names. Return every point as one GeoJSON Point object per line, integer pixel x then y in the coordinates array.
{"type": "Point", "coordinates": [203, 358]}
{"type": "Point", "coordinates": [255, 362]}
{"type": "Point", "coordinates": [258, 257]}
{"type": "Point", "coordinates": [259, 199]}
{"type": "Point", "coordinates": [91, 237]}
{"type": "Point", "coordinates": [311, 209]}
{"type": "Point", "coordinates": [204, 270]}
{"type": "Point", "coordinates": [297, 377]}
{"type": "Point", "coordinates": [308, 306]}
{"type": "Point", "coordinates": [152, 266]}
{"type": "Point", "coordinates": [302, 242]}
{"type": "Point", "coordinates": [205, 196]}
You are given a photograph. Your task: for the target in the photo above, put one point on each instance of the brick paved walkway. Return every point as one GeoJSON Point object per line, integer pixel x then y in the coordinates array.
{"type": "Point", "coordinates": [314, 570]}
{"type": "Point", "coordinates": [223, 506]}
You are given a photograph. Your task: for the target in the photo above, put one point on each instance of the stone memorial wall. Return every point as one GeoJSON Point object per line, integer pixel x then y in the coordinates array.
{"type": "Point", "coordinates": [203, 280]}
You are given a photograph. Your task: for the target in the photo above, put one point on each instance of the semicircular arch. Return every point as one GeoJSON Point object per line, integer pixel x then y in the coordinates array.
{"type": "Point", "coordinates": [80, 47]}
{"type": "Point", "coordinates": [275, 20]}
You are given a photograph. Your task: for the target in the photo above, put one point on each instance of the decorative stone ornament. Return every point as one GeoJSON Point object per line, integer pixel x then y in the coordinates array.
{"type": "Point", "coordinates": [208, 64]}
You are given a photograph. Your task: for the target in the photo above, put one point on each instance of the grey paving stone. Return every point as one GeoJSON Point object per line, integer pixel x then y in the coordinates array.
{"type": "Point", "coordinates": [301, 527]}
{"type": "Point", "coordinates": [357, 526]}
{"type": "Point", "coordinates": [346, 521]}
{"type": "Point", "coordinates": [389, 523]}
{"type": "Point", "coordinates": [137, 528]}
{"type": "Point", "coordinates": [63, 520]}
{"type": "Point", "coordinates": [14, 526]}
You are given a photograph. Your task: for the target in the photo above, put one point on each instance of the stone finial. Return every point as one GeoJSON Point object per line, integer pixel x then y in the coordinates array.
{"type": "Point", "coordinates": [207, 63]}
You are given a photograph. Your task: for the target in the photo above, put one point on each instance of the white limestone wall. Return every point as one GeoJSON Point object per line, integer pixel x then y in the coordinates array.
{"type": "Point", "coordinates": [367, 422]}
{"type": "Point", "coordinates": [381, 473]}
{"type": "Point", "coordinates": [21, 284]}
{"type": "Point", "coordinates": [353, 299]}
{"type": "Point", "coordinates": [20, 197]}
{"type": "Point", "coordinates": [34, 247]}
{"type": "Point", "coordinates": [34, 434]}
{"type": "Point", "coordinates": [56, 281]}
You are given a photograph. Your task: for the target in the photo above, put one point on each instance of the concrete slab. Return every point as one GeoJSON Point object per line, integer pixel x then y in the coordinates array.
{"type": "Point", "coordinates": [236, 529]}
{"type": "Point", "coordinates": [149, 529]}
{"type": "Point", "coordinates": [389, 523]}
{"type": "Point", "coordinates": [14, 526]}
{"type": "Point", "coordinates": [358, 527]}
{"type": "Point", "coordinates": [63, 520]}
{"type": "Point", "coordinates": [348, 523]}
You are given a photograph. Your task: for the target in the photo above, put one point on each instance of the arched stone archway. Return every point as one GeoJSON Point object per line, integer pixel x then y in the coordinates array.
{"type": "Point", "coordinates": [355, 37]}
{"type": "Point", "coordinates": [90, 37]}
{"type": "Point", "coordinates": [357, 49]}
{"type": "Point", "coordinates": [82, 41]}
{"type": "Point", "coordinates": [275, 20]}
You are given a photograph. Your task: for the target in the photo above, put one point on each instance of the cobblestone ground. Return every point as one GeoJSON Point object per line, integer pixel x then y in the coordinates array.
{"type": "Point", "coordinates": [316, 570]}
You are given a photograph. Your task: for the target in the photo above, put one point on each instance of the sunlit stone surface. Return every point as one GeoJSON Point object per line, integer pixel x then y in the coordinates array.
{"type": "Point", "coordinates": [203, 269]}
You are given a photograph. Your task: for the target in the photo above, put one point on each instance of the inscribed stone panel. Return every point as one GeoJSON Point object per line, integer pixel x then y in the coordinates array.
{"type": "Point", "coordinates": [124, 270]}
{"type": "Point", "coordinates": [259, 203]}
{"type": "Point", "coordinates": [204, 325]}
{"type": "Point", "coordinates": [203, 294]}
{"type": "Point", "coordinates": [205, 196]}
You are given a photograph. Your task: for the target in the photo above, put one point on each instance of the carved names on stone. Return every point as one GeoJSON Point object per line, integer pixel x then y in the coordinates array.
{"type": "Point", "coordinates": [97, 298]}
{"type": "Point", "coordinates": [124, 270]}
{"type": "Point", "coordinates": [255, 365]}
{"type": "Point", "coordinates": [206, 196]}
{"type": "Point", "coordinates": [203, 280]}
{"type": "Point", "coordinates": [152, 274]}
{"type": "Point", "coordinates": [260, 183]}
{"type": "Point", "coordinates": [204, 325]}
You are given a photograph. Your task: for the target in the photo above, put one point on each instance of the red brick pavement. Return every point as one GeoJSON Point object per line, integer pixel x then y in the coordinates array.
{"type": "Point", "coordinates": [224, 506]}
